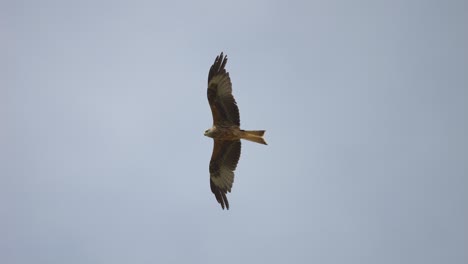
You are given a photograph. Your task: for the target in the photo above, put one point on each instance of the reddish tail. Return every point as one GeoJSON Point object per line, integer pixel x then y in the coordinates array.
{"type": "Point", "coordinates": [254, 136]}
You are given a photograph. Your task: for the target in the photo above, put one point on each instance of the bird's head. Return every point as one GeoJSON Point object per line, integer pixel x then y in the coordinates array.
{"type": "Point", "coordinates": [208, 132]}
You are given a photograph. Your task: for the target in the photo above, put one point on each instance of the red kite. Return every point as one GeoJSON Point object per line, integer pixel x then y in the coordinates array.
{"type": "Point", "coordinates": [225, 131]}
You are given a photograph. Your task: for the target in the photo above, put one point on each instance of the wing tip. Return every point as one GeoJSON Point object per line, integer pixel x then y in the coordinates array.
{"type": "Point", "coordinates": [218, 66]}
{"type": "Point", "coordinates": [221, 55]}
{"type": "Point", "coordinates": [226, 202]}
{"type": "Point", "coordinates": [220, 195]}
{"type": "Point", "coordinates": [221, 59]}
{"type": "Point", "coordinates": [222, 200]}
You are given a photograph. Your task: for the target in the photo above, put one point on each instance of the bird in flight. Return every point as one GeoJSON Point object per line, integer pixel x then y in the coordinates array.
{"type": "Point", "coordinates": [225, 131]}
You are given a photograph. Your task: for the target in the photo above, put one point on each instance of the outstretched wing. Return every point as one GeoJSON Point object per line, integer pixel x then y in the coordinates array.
{"type": "Point", "coordinates": [222, 103]}
{"type": "Point", "coordinates": [226, 154]}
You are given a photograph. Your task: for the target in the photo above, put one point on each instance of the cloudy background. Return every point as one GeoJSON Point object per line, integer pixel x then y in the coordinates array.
{"type": "Point", "coordinates": [103, 107]}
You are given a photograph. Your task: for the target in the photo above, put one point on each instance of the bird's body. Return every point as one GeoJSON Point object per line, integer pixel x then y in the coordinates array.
{"type": "Point", "coordinates": [225, 131]}
{"type": "Point", "coordinates": [235, 133]}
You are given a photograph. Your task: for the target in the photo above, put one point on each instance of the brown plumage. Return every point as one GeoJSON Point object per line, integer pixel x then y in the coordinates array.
{"type": "Point", "coordinates": [225, 131]}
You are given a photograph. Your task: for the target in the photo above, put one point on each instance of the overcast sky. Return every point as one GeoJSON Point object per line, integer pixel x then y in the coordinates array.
{"type": "Point", "coordinates": [103, 108]}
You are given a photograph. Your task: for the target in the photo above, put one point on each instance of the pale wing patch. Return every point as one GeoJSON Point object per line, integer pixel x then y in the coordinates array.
{"type": "Point", "coordinates": [223, 83]}
{"type": "Point", "coordinates": [225, 179]}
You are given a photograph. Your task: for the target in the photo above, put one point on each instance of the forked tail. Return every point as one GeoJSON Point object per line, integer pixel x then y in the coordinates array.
{"type": "Point", "coordinates": [254, 136]}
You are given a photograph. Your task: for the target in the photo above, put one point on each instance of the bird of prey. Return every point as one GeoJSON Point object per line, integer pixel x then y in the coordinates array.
{"type": "Point", "coordinates": [225, 131]}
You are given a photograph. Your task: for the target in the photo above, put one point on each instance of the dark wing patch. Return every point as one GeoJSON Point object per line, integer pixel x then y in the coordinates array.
{"type": "Point", "coordinates": [226, 154]}
{"type": "Point", "coordinates": [222, 103]}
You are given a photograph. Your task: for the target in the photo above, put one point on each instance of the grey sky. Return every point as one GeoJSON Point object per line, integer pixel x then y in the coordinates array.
{"type": "Point", "coordinates": [103, 108]}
